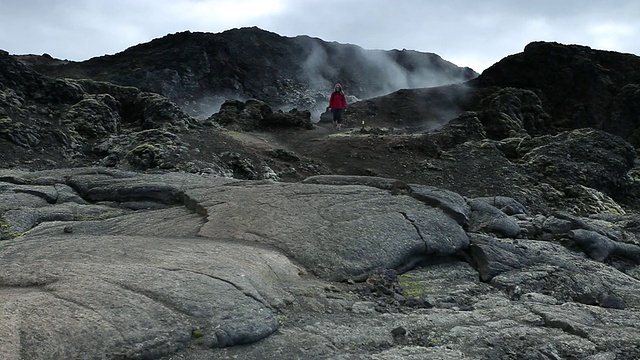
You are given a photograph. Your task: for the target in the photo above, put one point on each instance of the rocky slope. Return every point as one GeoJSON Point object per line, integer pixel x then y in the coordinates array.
{"type": "Point", "coordinates": [198, 71]}
{"type": "Point", "coordinates": [468, 221]}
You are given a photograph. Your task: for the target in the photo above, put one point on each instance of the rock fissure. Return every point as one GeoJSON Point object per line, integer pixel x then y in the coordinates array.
{"type": "Point", "coordinates": [49, 199]}
{"type": "Point", "coordinates": [564, 325]}
{"type": "Point", "coordinates": [237, 287]}
{"type": "Point", "coordinates": [12, 180]}
{"type": "Point", "coordinates": [87, 307]}
{"type": "Point", "coordinates": [418, 231]}
{"type": "Point", "coordinates": [194, 205]}
{"type": "Point", "coordinates": [24, 288]}
{"type": "Point", "coordinates": [153, 297]}
{"type": "Point", "coordinates": [261, 236]}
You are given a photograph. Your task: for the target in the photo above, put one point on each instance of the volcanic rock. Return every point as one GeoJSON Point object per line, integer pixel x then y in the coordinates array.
{"type": "Point", "coordinates": [211, 266]}
{"type": "Point", "coordinates": [492, 219]}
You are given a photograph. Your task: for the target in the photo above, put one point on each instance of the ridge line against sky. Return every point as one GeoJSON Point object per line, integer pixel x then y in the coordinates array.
{"type": "Point", "coordinates": [468, 33]}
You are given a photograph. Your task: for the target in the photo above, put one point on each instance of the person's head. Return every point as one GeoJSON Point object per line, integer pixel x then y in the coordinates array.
{"type": "Point", "coordinates": [338, 87]}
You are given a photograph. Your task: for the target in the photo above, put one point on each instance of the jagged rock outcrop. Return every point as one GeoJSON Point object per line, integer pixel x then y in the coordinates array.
{"type": "Point", "coordinates": [588, 157]}
{"type": "Point", "coordinates": [578, 86]}
{"type": "Point", "coordinates": [48, 123]}
{"type": "Point", "coordinates": [547, 88]}
{"type": "Point", "coordinates": [199, 71]}
{"type": "Point", "coordinates": [510, 112]}
{"type": "Point", "coordinates": [65, 121]}
{"type": "Point", "coordinates": [252, 115]}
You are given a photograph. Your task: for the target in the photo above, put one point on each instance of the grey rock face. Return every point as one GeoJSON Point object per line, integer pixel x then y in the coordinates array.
{"type": "Point", "coordinates": [116, 296]}
{"type": "Point", "coordinates": [117, 264]}
{"type": "Point", "coordinates": [337, 232]}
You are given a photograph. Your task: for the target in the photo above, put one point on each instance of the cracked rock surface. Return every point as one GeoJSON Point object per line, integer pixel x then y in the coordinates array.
{"type": "Point", "coordinates": [120, 265]}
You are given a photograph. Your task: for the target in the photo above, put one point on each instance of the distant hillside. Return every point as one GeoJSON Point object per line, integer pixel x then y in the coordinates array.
{"type": "Point", "coordinates": [430, 136]}
{"type": "Point", "coordinates": [546, 89]}
{"type": "Point", "coordinates": [198, 71]}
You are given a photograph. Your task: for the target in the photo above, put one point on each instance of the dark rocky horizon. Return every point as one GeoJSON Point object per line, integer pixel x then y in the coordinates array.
{"type": "Point", "coordinates": [198, 70]}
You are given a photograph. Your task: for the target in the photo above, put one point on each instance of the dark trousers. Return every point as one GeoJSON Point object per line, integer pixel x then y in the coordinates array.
{"type": "Point", "coordinates": [337, 115]}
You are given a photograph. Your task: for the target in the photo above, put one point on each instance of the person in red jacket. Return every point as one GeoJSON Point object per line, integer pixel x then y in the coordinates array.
{"type": "Point", "coordinates": [337, 105]}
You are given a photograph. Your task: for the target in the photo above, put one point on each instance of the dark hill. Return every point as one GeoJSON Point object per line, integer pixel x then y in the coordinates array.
{"type": "Point", "coordinates": [549, 87]}
{"type": "Point", "coordinates": [578, 86]}
{"type": "Point", "coordinates": [198, 71]}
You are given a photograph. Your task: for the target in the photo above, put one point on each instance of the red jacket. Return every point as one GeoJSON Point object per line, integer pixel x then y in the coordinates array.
{"type": "Point", "coordinates": [338, 100]}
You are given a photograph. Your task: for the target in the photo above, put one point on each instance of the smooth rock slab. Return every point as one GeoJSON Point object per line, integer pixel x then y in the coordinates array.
{"type": "Point", "coordinates": [337, 232]}
{"type": "Point", "coordinates": [71, 297]}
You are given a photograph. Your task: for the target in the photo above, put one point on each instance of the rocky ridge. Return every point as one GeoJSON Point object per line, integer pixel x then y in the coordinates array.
{"type": "Point", "coordinates": [199, 71]}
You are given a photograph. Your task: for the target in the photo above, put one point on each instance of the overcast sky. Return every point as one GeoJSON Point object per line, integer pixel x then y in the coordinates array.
{"type": "Point", "coordinates": [474, 33]}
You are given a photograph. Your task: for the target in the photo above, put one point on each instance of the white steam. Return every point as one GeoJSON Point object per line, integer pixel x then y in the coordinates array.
{"type": "Point", "coordinates": [206, 106]}
{"type": "Point", "coordinates": [317, 70]}
{"type": "Point", "coordinates": [374, 72]}
{"type": "Point", "coordinates": [363, 73]}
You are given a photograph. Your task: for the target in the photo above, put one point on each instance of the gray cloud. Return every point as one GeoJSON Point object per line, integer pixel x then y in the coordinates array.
{"type": "Point", "coordinates": [467, 33]}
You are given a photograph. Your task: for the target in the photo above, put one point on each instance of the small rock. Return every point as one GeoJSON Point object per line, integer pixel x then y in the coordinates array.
{"type": "Point", "coordinates": [514, 292]}
{"type": "Point", "coordinates": [364, 307]}
{"type": "Point", "coordinates": [612, 302]}
{"type": "Point", "coordinates": [399, 331]}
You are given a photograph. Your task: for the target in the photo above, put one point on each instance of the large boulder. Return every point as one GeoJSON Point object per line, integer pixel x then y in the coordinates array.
{"type": "Point", "coordinates": [94, 116]}
{"type": "Point", "coordinates": [510, 112]}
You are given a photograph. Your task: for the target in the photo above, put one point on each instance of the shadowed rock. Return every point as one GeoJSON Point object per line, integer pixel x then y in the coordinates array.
{"type": "Point", "coordinates": [522, 266]}
{"type": "Point", "coordinates": [486, 218]}
{"type": "Point", "coordinates": [601, 248]}
{"type": "Point", "coordinates": [254, 115]}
